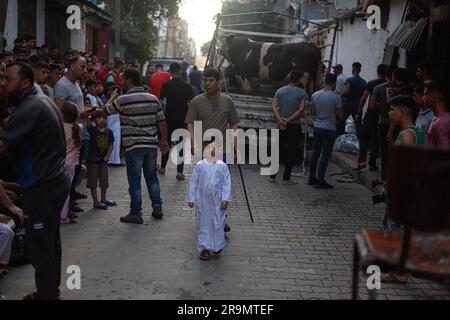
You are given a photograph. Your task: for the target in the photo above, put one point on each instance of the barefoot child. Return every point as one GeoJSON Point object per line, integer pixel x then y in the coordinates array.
{"type": "Point", "coordinates": [73, 145]}
{"type": "Point", "coordinates": [100, 148]}
{"type": "Point", "coordinates": [210, 193]}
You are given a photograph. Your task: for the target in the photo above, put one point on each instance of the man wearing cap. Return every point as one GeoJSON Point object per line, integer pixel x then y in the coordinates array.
{"type": "Point", "coordinates": [341, 78]}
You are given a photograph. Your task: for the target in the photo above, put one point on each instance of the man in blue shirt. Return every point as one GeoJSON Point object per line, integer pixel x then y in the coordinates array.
{"type": "Point", "coordinates": [326, 105]}
{"type": "Point", "coordinates": [288, 106]}
{"type": "Point", "coordinates": [353, 91]}
{"type": "Point", "coordinates": [195, 79]}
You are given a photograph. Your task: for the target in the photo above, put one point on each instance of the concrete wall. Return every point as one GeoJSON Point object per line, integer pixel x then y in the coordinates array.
{"type": "Point", "coordinates": [357, 43]}
{"type": "Point", "coordinates": [11, 24]}
{"type": "Point", "coordinates": [12, 20]}
{"type": "Point", "coordinates": [40, 22]}
{"type": "Point", "coordinates": [78, 37]}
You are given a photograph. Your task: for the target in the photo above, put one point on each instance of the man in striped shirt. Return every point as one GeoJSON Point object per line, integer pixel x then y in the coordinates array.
{"type": "Point", "coordinates": [141, 115]}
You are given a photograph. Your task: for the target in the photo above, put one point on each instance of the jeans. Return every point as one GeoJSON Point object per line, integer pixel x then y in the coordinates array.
{"type": "Point", "coordinates": [369, 138]}
{"type": "Point", "coordinates": [289, 138]}
{"type": "Point", "coordinates": [43, 205]}
{"type": "Point", "coordinates": [138, 160]}
{"type": "Point", "coordinates": [383, 130]}
{"type": "Point", "coordinates": [165, 158]}
{"type": "Point", "coordinates": [84, 150]}
{"type": "Point", "coordinates": [323, 147]}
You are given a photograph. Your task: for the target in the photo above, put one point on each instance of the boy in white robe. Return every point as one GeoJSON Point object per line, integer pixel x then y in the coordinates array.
{"type": "Point", "coordinates": [210, 193]}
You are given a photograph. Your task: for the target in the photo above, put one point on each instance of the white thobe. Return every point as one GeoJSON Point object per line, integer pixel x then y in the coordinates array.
{"type": "Point", "coordinates": [6, 239]}
{"type": "Point", "coordinates": [210, 185]}
{"type": "Point", "coordinates": [113, 123]}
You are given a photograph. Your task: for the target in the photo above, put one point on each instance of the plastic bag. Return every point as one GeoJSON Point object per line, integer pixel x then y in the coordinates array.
{"type": "Point", "coordinates": [347, 143]}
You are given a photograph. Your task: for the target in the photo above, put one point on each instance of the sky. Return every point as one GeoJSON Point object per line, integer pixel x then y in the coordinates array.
{"type": "Point", "coordinates": [199, 14]}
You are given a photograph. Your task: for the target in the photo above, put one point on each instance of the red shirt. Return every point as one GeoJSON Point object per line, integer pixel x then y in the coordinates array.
{"type": "Point", "coordinates": [439, 132]}
{"type": "Point", "coordinates": [101, 76]}
{"type": "Point", "coordinates": [156, 82]}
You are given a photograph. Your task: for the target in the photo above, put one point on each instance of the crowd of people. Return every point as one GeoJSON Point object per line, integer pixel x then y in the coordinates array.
{"type": "Point", "coordinates": [370, 104]}
{"type": "Point", "coordinates": [64, 119]}
{"type": "Point", "coordinates": [394, 108]}
{"type": "Point", "coordinates": [67, 118]}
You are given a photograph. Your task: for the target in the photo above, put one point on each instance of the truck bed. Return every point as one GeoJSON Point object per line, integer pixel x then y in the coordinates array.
{"type": "Point", "coordinates": [254, 111]}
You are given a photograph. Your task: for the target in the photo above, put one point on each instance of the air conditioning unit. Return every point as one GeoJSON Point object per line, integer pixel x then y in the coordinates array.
{"type": "Point", "coordinates": [343, 5]}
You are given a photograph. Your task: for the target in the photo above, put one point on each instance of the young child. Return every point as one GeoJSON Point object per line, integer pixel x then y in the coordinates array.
{"type": "Point", "coordinates": [100, 148]}
{"type": "Point", "coordinates": [73, 145]}
{"type": "Point", "coordinates": [210, 193]}
{"type": "Point", "coordinates": [85, 149]}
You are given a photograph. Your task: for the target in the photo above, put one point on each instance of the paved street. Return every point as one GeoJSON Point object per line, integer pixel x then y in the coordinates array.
{"type": "Point", "coordinates": [300, 247]}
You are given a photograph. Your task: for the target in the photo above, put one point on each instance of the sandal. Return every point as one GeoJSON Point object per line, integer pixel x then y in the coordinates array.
{"type": "Point", "coordinates": [101, 207]}
{"type": "Point", "coordinates": [395, 277]}
{"type": "Point", "coordinates": [162, 171]}
{"type": "Point", "coordinates": [68, 221]}
{"type": "Point", "coordinates": [205, 256]}
{"type": "Point", "coordinates": [110, 203]}
{"type": "Point", "coordinates": [72, 215]}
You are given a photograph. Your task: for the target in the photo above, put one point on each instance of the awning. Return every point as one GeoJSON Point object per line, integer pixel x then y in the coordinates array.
{"type": "Point", "coordinates": [407, 35]}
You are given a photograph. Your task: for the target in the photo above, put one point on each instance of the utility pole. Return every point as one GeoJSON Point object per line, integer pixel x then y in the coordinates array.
{"type": "Point", "coordinates": [117, 28]}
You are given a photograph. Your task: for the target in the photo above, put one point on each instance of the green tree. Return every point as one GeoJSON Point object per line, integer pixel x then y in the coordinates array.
{"type": "Point", "coordinates": [139, 24]}
{"type": "Point", "coordinates": [205, 48]}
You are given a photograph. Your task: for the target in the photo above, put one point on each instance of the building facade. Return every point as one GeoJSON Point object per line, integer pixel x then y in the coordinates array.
{"type": "Point", "coordinates": [174, 41]}
{"type": "Point", "coordinates": [47, 21]}
{"type": "Point", "coordinates": [412, 32]}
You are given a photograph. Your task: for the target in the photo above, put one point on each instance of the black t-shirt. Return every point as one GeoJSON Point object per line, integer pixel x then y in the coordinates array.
{"type": "Point", "coordinates": [99, 144]}
{"type": "Point", "coordinates": [177, 94]}
{"type": "Point", "coordinates": [36, 140]}
{"type": "Point", "coordinates": [373, 84]}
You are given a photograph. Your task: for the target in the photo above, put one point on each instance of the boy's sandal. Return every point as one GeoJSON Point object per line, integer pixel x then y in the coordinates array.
{"type": "Point", "coordinates": [204, 256]}
{"type": "Point", "coordinates": [101, 207]}
{"type": "Point", "coordinates": [110, 203]}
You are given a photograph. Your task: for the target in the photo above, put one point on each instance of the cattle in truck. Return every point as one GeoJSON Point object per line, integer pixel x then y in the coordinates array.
{"type": "Point", "coordinates": [256, 62]}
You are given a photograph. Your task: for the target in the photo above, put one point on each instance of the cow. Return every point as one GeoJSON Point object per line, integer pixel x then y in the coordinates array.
{"type": "Point", "coordinates": [253, 61]}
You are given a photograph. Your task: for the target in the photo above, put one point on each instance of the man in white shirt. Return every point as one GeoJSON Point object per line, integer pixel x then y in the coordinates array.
{"type": "Point", "coordinates": [341, 78]}
{"type": "Point", "coordinates": [53, 77]}
{"type": "Point", "coordinates": [41, 71]}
